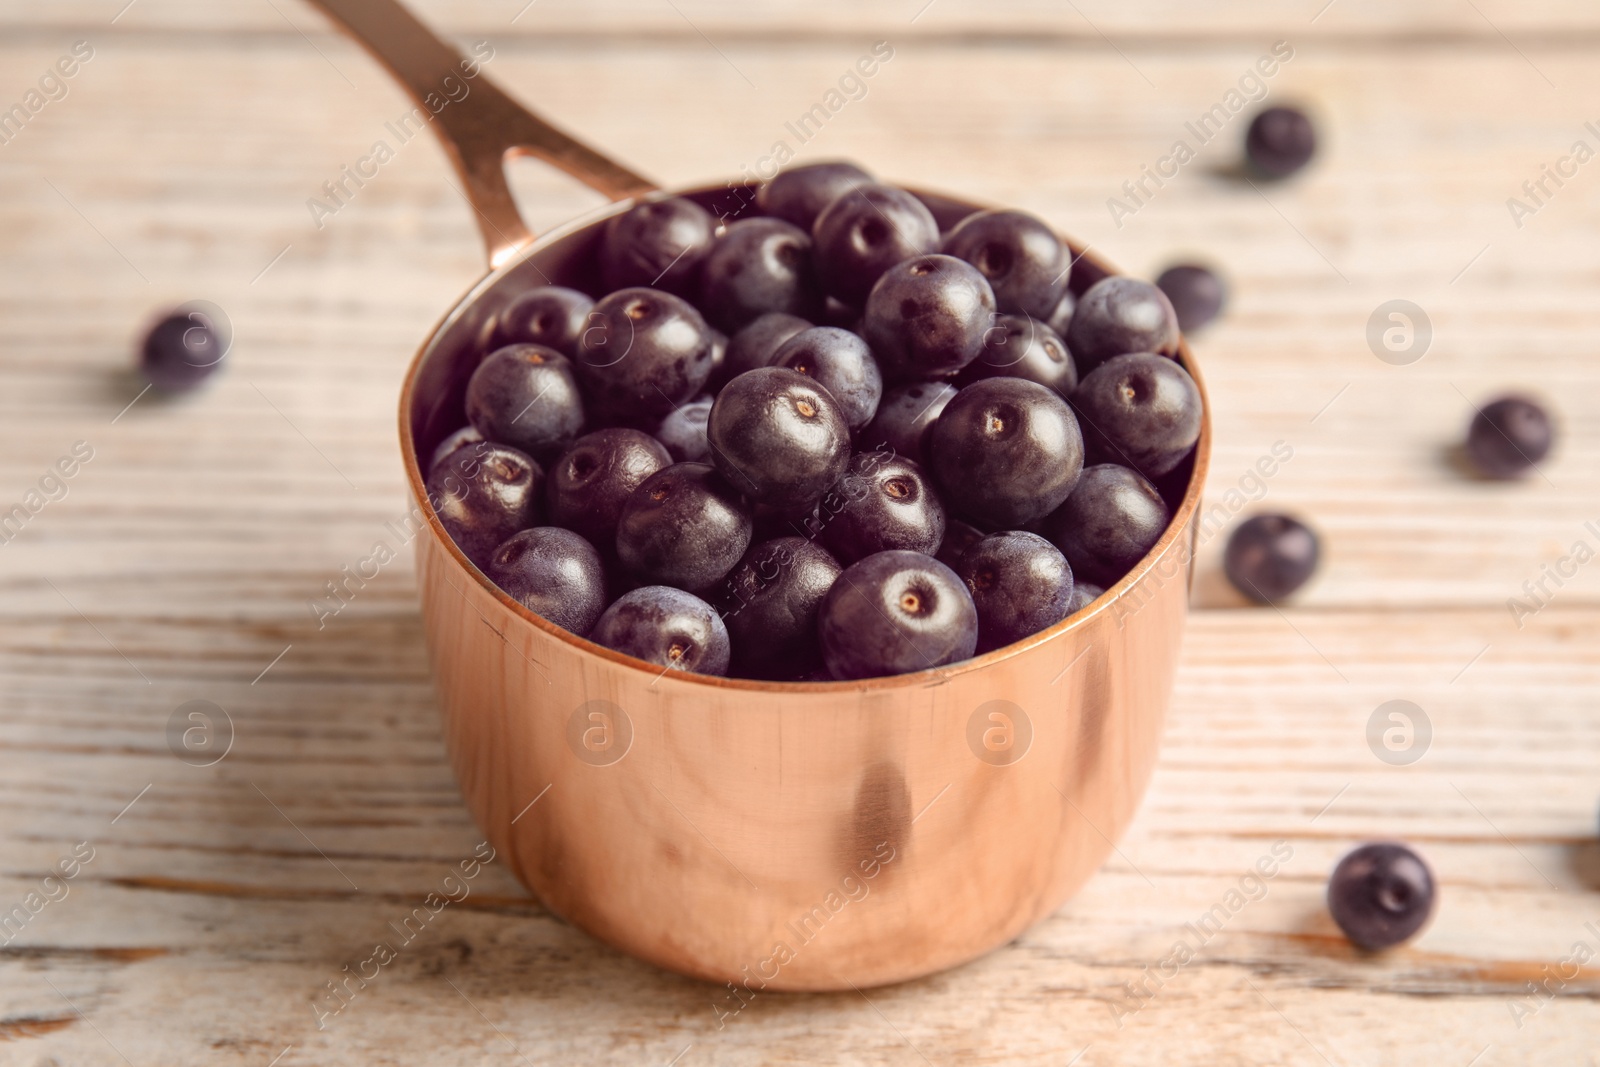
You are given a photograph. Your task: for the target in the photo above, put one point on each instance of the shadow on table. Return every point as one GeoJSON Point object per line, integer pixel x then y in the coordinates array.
{"type": "Point", "coordinates": [1583, 860]}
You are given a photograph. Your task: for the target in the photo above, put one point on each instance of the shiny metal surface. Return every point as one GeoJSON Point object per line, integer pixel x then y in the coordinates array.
{"type": "Point", "coordinates": [778, 835]}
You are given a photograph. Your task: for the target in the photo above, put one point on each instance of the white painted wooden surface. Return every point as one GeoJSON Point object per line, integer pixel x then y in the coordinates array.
{"type": "Point", "coordinates": [179, 563]}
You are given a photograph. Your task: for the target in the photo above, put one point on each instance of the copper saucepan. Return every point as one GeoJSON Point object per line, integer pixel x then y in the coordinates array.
{"type": "Point", "coordinates": [770, 835]}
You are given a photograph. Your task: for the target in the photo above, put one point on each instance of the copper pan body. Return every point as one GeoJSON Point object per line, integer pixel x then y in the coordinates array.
{"type": "Point", "coordinates": [776, 836]}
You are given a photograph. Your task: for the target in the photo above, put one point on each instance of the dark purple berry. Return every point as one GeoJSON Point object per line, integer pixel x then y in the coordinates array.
{"type": "Point", "coordinates": [893, 613]}
{"type": "Point", "coordinates": [757, 266]}
{"type": "Point", "coordinates": [1060, 319]}
{"type": "Point", "coordinates": [836, 312]}
{"type": "Point", "coordinates": [841, 363]}
{"type": "Point", "coordinates": [619, 579]}
{"type": "Point", "coordinates": [644, 353]}
{"type": "Point", "coordinates": [1111, 520]}
{"type": "Point", "coordinates": [1280, 141]}
{"type": "Point", "coordinates": [958, 537]}
{"type": "Point", "coordinates": [1006, 451]}
{"type": "Point", "coordinates": [1380, 895]}
{"type": "Point", "coordinates": [1019, 347]}
{"type": "Point", "coordinates": [658, 244]}
{"type": "Point", "coordinates": [484, 493]}
{"type": "Point", "coordinates": [1025, 263]}
{"type": "Point", "coordinates": [770, 605]}
{"type": "Point", "coordinates": [684, 432]}
{"type": "Point", "coordinates": [551, 315]}
{"type": "Point", "coordinates": [467, 435]}
{"type": "Point", "coordinates": [683, 526]}
{"type": "Point", "coordinates": [927, 317]}
{"type": "Point", "coordinates": [865, 231]}
{"type": "Point", "coordinates": [1083, 594]}
{"type": "Point", "coordinates": [1119, 315]}
{"type": "Point", "coordinates": [1140, 410]}
{"type": "Point", "coordinates": [593, 480]}
{"type": "Point", "coordinates": [1509, 437]}
{"type": "Point", "coordinates": [778, 437]}
{"type": "Point", "coordinates": [554, 573]}
{"type": "Point", "coordinates": [904, 415]}
{"type": "Point", "coordinates": [1197, 295]}
{"type": "Point", "coordinates": [526, 396]}
{"type": "Point", "coordinates": [719, 354]}
{"type": "Point", "coordinates": [182, 350]}
{"type": "Point", "coordinates": [883, 502]}
{"type": "Point", "coordinates": [755, 345]}
{"type": "Point", "coordinates": [799, 194]}
{"type": "Point", "coordinates": [1020, 584]}
{"type": "Point", "coordinates": [1270, 556]}
{"type": "Point", "coordinates": [773, 522]}
{"type": "Point", "coordinates": [666, 627]}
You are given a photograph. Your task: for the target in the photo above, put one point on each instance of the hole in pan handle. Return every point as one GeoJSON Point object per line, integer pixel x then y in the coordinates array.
{"type": "Point", "coordinates": [482, 130]}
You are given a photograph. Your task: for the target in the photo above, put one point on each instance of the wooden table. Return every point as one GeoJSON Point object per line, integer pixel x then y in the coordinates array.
{"type": "Point", "coordinates": [220, 900]}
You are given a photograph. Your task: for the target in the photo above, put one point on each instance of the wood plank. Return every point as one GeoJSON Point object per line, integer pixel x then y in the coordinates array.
{"type": "Point", "coordinates": [1398, 208]}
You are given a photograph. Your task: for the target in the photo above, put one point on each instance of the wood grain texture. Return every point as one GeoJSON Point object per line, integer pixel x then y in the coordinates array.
{"type": "Point", "coordinates": [1084, 21]}
{"type": "Point", "coordinates": [181, 561]}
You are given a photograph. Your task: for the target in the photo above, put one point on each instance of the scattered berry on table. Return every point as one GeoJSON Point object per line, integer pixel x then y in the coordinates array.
{"type": "Point", "coordinates": [1509, 437]}
{"type": "Point", "coordinates": [1197, 294]}
{"type": "Point", "coordinates": [1270, 556]}
{"type": "Point", "coordinates": [1381, 894]}
{"type": "Point", "coordinates": [182, 350]}
{"type": "Point", "coordinates": [1280, 141]}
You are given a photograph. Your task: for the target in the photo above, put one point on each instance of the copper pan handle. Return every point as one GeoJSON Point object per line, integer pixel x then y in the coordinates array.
{"type": "Point", "coordinates": [481, 130]}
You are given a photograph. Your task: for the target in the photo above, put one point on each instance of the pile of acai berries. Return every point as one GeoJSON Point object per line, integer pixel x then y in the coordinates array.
{"type": "Point", "coordinates": [826, 442]}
